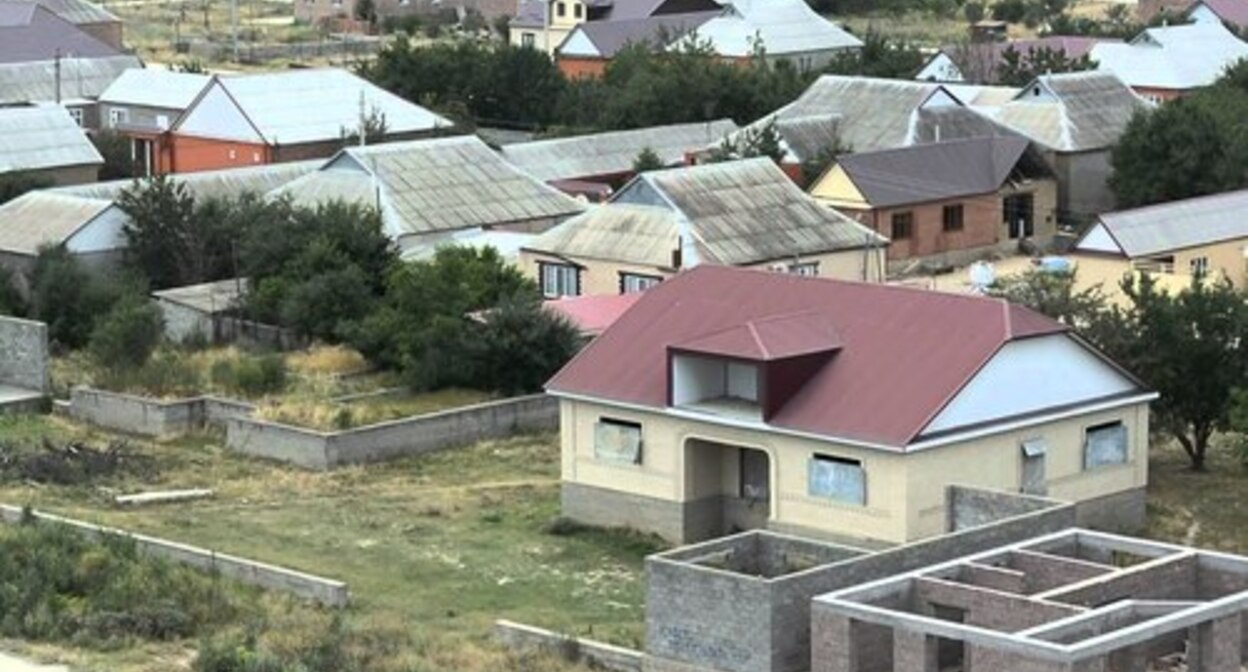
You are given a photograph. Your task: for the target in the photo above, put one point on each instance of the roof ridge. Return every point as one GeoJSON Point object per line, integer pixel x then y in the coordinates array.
{"type": "Point", "coordinates": [758, 340]}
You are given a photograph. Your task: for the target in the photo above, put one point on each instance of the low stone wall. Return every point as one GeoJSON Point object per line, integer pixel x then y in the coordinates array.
{"type": "Point", "coordinates": [24, 354]}
{"type": "Point", "coordinates": [398, 438]}
{"type": "Point", "coordinates": [145, 416]}
{"type": "Point", "coordinates": [973, 507]}
{"type": "Point", "coordinates": [597, 655]}
{"type": "Point", "coordinates": [270, 577]}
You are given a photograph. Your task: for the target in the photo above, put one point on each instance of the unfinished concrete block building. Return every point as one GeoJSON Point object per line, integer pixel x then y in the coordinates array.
{"type": "Point", "coordinates": [1073, 601]}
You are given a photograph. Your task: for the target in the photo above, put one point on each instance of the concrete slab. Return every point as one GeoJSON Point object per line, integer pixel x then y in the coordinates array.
{"type": "Point", "coordinates": [13, 664]}
{"type": "Point", "coordinates": [17, 399]}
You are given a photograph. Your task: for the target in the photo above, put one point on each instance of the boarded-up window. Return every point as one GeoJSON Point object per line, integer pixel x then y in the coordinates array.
{"type": "Point", "coordinates": [838, 478]}
{"type": "Point", "coordinates": [617, 441]}
{"type": "Point", "coordinates": [1104, 445]}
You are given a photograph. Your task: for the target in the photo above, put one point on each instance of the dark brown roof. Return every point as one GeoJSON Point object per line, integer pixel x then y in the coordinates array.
{"type": "Point", "coordinates": [610, 37]}
{"type": "Point", "coordinates": [934, 172]}
{"type": "Point", "coordinates": [904, 353]}
{"type": "Point", "coordinates": [29, 32]}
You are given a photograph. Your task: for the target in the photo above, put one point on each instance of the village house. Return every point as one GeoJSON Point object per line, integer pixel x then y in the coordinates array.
{"type": "Point", "coordinates": [89, 17]}
{"type": "Point", "coordinates": [736, 213]}
{"type": "Point", "coordinates": [435, 191]}
{"type": "Point", "coordinates": [730, 399]}
{"type": "Point", "coordinates": [277, 117]}
{"type": "Point", "coordinates": [1166, 62]}
{"type": "Point", "coordinates": [1233, 13]}
{"type": "Point", "coordinates": [143, 104]}
{"type": "Point", "coordinates": [44, 143]}
{"type": "Point", "coordinates": [947, 203]}
{"type": "Point", "coordinates": [778, 30]}
{"type": "Point", "coordinates": [1204, 236]}
{"type": "Point", "coordinates": [340, 15]}
{"type": "Point", "coordinates": [594, 165]}
{"type": "Point", "coordinates": [546, 24]}
{"type": "Point", "coordinates": [980, 62]}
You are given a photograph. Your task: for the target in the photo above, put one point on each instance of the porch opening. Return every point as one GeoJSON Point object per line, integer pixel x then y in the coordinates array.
{"type": "Point", "coordinates": [729, 487]}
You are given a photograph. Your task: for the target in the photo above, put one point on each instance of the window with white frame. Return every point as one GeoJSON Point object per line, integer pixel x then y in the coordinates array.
{"type": "Point", "coordinates": [1105, 445]}
{"type": "Point", "coordinates": [75, 113]}
{"type": "Point", "coordinates": [805, 268]}
{"type": "Point", "coordinates": [838, 478]}
{"type": "Point", "coordinates": [527, 39]}
{"type": "Point", "coordinates": [118, 116]}
{"type": "Point", "coordinates": [1199, 266]}
{"type": "Point", "coordinates": [631, 283]}
{"type": "Point", "coordinates": [560, 280]}
{"type": "Point", "coordinates": [617, 441]}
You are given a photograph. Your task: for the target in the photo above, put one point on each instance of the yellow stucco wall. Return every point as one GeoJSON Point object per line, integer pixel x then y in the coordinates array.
{"type": "Point", "coordinates": [599, 276]}
{"type": "Point", "coordinates": [836, 189]}
{"type": "Point", "coordinates": [905, 492]}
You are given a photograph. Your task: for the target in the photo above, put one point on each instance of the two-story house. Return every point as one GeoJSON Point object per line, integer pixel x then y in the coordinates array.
{"type": "Point", "coordinates": [729, 399]}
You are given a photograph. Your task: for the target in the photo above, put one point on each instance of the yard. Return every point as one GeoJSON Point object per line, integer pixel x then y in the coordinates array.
{"type": "Point", "coordinates": [434, 549]}
{"type": "Point", "coordinates": [1208, 509]}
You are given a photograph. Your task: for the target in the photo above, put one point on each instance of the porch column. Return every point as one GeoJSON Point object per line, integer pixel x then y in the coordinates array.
{"type": "Point", "coordinates": [1215, 646]}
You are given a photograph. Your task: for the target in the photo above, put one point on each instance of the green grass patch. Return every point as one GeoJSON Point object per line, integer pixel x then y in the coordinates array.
{"type": "Point", "coordinates": [1205, 509]}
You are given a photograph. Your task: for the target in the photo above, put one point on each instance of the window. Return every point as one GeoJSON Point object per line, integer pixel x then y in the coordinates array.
{"type": "Point", "coordinates": [1199, 266]}
{"type": "Point", "coordinates": [806, 268]}
{"type": "Point", "coordinates": [527, 40]}
{"type": "Point", "coordinates": [117, 116]}
{"type": "Point", "coordinates": [805, 64]}
{"type": "Point", "coordinates": [577, 10]}
{"type": "Point", "coordinates": [631, 283]}
{"type": "Point", "coordinates": [1104, 445]}
{"type": "Point", "coordinates": [75, 113]}
{"type": "Point", "coordinates": [561, 9]}
{"type": "Point", "coordinates": [903, 225]}
{"type": "Point", "coordinates": [838, 478]}
{"type": "Point", "coordinates": [952, 216]}
{"type": "Point", "coordinates": [617, 441]}
{"type": "Point", "coordinates": [560, 280]}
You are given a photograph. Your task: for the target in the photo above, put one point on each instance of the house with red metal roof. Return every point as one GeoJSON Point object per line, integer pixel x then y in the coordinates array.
{"type": "Point", "coordinates": [729, 399]}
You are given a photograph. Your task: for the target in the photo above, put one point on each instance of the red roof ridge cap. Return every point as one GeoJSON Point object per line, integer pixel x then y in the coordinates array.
{"type": "Point", "coordinates": [758, 340]}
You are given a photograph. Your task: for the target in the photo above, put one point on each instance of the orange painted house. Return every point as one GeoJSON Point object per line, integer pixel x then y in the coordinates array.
{"type": "Point", "coordinates": [277, 117]}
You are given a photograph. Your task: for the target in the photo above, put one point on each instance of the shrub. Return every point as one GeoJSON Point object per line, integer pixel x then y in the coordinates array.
{"type": "Point", "coordinates": [11, 302]}
{"type": "Point", "coordinates": [68, 298]}
{"type": "Point", "coordinates": [166, 374]}
{"type": "Point", "coordinates": [251, 377]}
{"type": "Point", "coordinates": [128, 335]}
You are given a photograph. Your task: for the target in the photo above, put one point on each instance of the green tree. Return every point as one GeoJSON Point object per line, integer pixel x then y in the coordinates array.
{"type": "Point", "coordinates": [1185, 138]}
{"type": "Point", "coordinates": [366, 11]}
{"type": "Point", "coordinates": [1021, 68]}
{"type": "Point", "coordinates": [751, 142]}
{"type": "Point", "coordinates": [15, 184]}
{"type": "Point", "coordinates": [159, 231]}
{"type": "Point", "coordinates": [115, 148]}
{"type": "Point", "coordinates": [647, 160]}
{"type": "Point", "coordinates": [128, 334]}
{"type": "Point", "coordinates": [11, 301]}
{"type": "Point", "coordinates": [880, 56]}
{"type": "Point", "coordinates": [1054, 294]}
{"type": "Point", "coordinates": [522, 344]}
{"type": "Point", "coordinates": [973, 12]}
{"type": "Point", "coordinates": [813, 167]}
{"type": "Point", "coordinates": [69, 298]}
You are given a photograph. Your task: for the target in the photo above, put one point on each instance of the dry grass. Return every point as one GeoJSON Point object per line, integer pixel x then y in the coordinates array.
{"type": "Point", "coordinates": [326, 359]}
{"type": "Point", "coordinates": [329, 416]}
{"type": "Point", "coordinates": [435, 548]}
{"type": "Point", "coordinates": [1201, 509]}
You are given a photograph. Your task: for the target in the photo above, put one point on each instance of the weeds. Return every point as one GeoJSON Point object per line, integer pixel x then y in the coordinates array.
{"type": "Point", "coordinates": [72, 463]}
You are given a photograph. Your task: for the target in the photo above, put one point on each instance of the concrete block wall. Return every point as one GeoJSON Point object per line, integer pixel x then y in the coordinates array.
{"type": "Point", "coordinates": [597, 655]}
{"type": "Point", "coordinates": [270, 577]}
{"type": "Point", "coordinates": [973, 507]}
{"type": "Point", "coordinates": [24, 354]}
{"type": "Point", "coordinates": [156, 418]}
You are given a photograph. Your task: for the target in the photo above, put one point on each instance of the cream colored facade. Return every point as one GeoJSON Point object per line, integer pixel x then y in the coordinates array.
{"type": "Point", "coordinates": [603, 276]}
{"type": "Point", "coordinates": [905, 492]}
{"type": "Point", "coordinates": [558, 25]}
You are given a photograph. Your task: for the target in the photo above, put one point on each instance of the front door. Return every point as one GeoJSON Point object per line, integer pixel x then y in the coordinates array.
{"type": "Point", "coordinates": [1019, 211]}
{"type": "Point", "coordinates": [755, 476]}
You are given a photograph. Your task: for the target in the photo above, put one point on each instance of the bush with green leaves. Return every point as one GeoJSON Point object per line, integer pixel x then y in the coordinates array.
{"type": "Point", "coordinates": [128, 334]}
{"type": "Point", "coordinates": [251, 376]}
{"type": "Point", "coordinates": [70, 299]}
{"type": "Point", "coordinates": [11, 301]}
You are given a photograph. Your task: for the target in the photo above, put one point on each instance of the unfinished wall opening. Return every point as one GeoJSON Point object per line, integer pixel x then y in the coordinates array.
{"type": "Point", "coordinates": [729, 484]}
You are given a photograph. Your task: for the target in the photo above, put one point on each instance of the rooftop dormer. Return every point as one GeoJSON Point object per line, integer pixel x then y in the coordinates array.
{"type": "Point", "coordinates": [750, 370]}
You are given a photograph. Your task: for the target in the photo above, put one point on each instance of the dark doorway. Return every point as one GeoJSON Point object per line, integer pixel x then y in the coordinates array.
{"type": "Point", "coordinates": [755, 476]}
{"type": "Point", "coordinates": [1019, 211]}
{"type": "Point", "coordinates": [950, 653]}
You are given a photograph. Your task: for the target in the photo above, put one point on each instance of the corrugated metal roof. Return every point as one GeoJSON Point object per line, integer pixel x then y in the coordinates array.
{"type": "Point", "coordinates": [742, 212]}
{"type": "Point", "coordinates": [1166, 227]}
{"type": "Point", "coordinates": [531, 14]}
{"type": "Point", "coordinates": [507, 243]}
{"type": "Point", "coordinates": [155, 87]}
{"type": "Point", "coordinates": [934, 171]}
{"type": "Point", "coordinates": [612, 153]}
{"type": "Point", "coordinates": [785, 27]}
{"type": "Point", "coordinates": [803, 138]}
{"type": "Point", "coordinates": [604, 39]}
{"type": "Point", "coordinates": [1077, 111]}
{"type": "Point", "coordinates": [298, 106]}
{"type": "Point", "coordinates": [904, 352]}
{"type": "Point", "coordinates": [442, 184]}
{"type": "Point", "coordinates": [35, 138]}
{"type": "Point", "coordinates": [209, 183]}
{"type": "Point", "coordinates": [1173, 57]}
{"type": "Point", "coordinates": [78, 12]}
{"type": "Point", "coordinates": [1232, 11]}
{"type": "Point", "coordinates": [29, 32]}
{"type": "Point", "coordinates": [637, 234]}
{"type": "Point", "coordinates": [81, 78]}
{"type": "Point", "coordinates": [42, 218]}
{"type": "Point", "coordinates": [591, 314]}
{"type": "Point", "coordinates": [209, 298]}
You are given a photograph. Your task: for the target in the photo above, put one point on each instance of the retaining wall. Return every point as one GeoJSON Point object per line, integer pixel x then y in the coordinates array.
{"type": "Point", "coordinates": [270, 577]}
{"type": "Point", "coordinates": [398, 438]}
{"type": "Point", "coordinates": [597, 655]}
{"type": "Point", "coordinates": [24, 354]}
{"type": "Point", "coordinates": [145, 416]}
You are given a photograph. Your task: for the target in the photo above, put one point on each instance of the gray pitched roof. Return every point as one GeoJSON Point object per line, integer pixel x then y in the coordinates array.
{"type": "Point", "coordinates": [209, 183]}
{"type": "Point", "coordinates": [44, 217]}
{"type": "Point", "coordinates": [1072, 112]}
{"type": "Point", "coordinates": [934, 171]}
{"type": "Point", "coordinates": [611, 153]}
{"type": "Point", "coordinates": [636, 234]}
{"type": "Point", "coordinates": [744, 212]}
{"type": "Point", "coordinates": [36, 138]}
{"type": "Point", "coordinates": [78, 12]}
{"type": "Point", "coordinates": [608, 38]}
{"type": "Point", "coordinates": [29, 32]}
{"type": "Point", "coordinates": [1173, 57]}
{"type": "Point", "coordinates": [1163, 228]}
{"type": "Point", "coordinates": [81, 78]}
{"type": "Point", "coordinates": [155, 87]}
{"type": "Point", "coordinates": [805, 137]}
{"type": "Point", "coordinates": [443, 184]}
{"type": "Point", "coordinates": [210, 298]}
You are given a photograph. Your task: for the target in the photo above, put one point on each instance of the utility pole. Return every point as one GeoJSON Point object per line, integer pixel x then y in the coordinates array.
{"type": "Point", "coordinates": [57, 69]}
